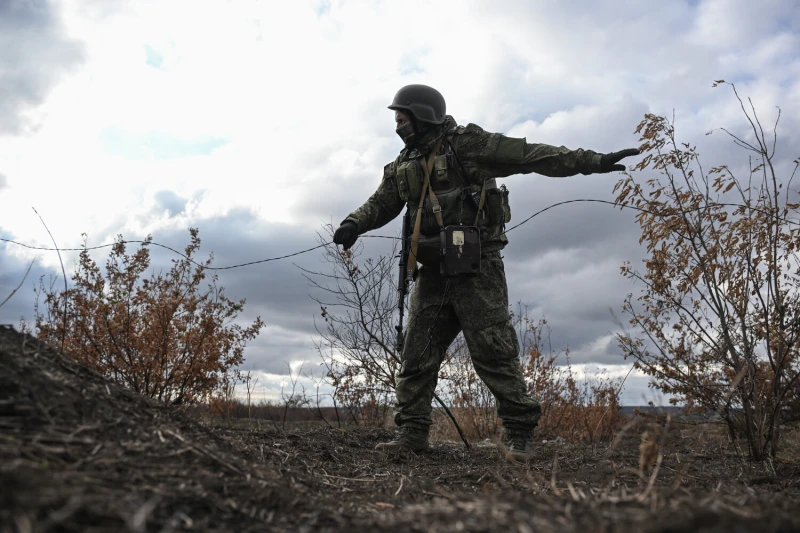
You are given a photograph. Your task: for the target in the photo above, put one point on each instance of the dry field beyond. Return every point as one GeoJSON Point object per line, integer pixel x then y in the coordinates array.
{"type": "Point", "coordinates": [78, 453]}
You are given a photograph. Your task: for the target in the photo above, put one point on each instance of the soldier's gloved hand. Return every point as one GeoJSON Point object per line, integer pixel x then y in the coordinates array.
{"type": "Point", "coordinates": [346, 235]}
{"type": "Point", "coordinates": [607, 161]}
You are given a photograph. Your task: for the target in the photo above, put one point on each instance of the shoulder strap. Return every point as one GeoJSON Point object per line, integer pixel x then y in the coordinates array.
{"type": "Point", "coordinates": [412, 254]}
{"type": "Point", "coordinates": [437, 209]}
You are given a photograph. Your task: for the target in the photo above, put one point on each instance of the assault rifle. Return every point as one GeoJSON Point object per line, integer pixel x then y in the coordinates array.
{"type": "Point", "coordinates": [402, 280]}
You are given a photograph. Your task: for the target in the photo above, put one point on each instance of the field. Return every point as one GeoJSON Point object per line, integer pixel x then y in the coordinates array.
{"type": "Point", "coordinates": [78, 453]}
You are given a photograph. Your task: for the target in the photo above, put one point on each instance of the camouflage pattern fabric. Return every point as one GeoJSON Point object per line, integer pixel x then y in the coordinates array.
{"type": "Point", "coordinates": [483, 156]}
{"type": "Point", "coordinates": [477, 305]}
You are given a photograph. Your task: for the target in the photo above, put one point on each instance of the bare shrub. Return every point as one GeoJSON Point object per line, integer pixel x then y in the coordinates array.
{"type": "Point", "coordinates": [164, 337]}
{"type": "Point", "coordinates": [356, 346]}
{"type": "Point", "coordinates": [720, 307]}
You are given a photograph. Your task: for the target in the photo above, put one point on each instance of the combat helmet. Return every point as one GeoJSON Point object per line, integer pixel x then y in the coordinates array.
{"type": "Point", "coordinates": [425, 103]}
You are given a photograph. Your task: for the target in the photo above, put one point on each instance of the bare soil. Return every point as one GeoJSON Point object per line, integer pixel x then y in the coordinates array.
{"type": "Point", "coordinates": [78, 453]}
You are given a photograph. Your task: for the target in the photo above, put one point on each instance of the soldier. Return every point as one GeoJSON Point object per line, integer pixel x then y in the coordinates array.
{"type": "Point", "coordinates": [462, 163]}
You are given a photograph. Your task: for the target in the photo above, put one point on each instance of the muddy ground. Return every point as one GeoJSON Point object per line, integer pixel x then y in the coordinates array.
{"type": "Point", "coordinates": [78, 453]}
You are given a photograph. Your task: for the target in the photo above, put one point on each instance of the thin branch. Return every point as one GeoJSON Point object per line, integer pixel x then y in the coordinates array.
{"type": "Point", "coordinates": [20, 283]}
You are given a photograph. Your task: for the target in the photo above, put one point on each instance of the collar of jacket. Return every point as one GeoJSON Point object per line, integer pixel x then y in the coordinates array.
{"type": "Point", "coordinates": [425, 144]}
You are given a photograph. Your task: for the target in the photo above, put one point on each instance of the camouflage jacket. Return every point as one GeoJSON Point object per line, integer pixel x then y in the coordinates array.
{"type": "Point", "coordinates": [468, 157]}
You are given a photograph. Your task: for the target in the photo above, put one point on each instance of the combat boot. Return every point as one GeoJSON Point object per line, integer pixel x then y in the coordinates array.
{"type": "Point", "coordinates": [406, 439]}
{"type": "Point", "coordinates": [520, 446]}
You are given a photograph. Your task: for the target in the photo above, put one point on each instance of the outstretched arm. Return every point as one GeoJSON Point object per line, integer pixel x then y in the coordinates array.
{"type": "Point", "coordinates": [381, 208]}
{"type": "Point", "coordinates": [493, 155]}
{"type": "Point", "coordinates": [518, 157]}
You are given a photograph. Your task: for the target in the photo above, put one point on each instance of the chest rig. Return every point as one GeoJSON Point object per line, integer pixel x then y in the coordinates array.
{"type": "Point", "coordinates": [446, 208]}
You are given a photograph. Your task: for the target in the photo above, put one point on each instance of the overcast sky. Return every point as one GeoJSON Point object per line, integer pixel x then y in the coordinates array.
{"type": "Point", "coordinates": [258, 122]}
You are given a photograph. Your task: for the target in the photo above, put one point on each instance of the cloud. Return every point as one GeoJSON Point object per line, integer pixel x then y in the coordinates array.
{"type": "Point", "coordinates": [170, 202]}
{"type": "Point", "coordinates": [153, 57]}
{"type": "Point", "coordinates": [279, 125]}
{"type": "Point", "coordinates": [35, 53]}
{"type": "Point", "coordinates": [274, 290]}
{"type": "Point", "coordinates": [157, 145]}
{"type": "Point", "coordinates": [3, 181]}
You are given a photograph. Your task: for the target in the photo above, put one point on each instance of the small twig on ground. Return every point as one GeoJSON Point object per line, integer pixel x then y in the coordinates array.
{"type": "Point", "coordinates": [138, 522]}
{"type": "Point", "coordinates": [362, 480]}
{"type": "Point", "coordinates": [576, 494]}
{"type": "Point", "coordinates": [618, 437]}
{"type": "Point", "coordinates": [553, 485]}
{"type": "Point", "coordinates": [438, 495]}
{"type": "Point", "coordinates": [61, 515]}
{"type": "Point", "coordinates": [454, 421]}
{"type": "Point", "coordinates": [643, 496]}
{"type": "Point", "coordinates": [619, 389]}
{"type": "Point", "coordinates": [205, 452]}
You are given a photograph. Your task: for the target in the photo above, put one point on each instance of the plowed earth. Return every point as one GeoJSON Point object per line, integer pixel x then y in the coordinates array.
{"type": "Point", "coordinates": [78, 453]}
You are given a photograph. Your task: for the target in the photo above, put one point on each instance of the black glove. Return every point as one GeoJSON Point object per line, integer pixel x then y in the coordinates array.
{"type": "Point", "coordinates": [346, 235]}
{"type": "Point", "coordinates": [607, 160]}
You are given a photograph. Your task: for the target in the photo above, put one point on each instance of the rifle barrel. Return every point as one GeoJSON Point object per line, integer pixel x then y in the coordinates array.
{"type": "Point", "coordinates": [402, 281]}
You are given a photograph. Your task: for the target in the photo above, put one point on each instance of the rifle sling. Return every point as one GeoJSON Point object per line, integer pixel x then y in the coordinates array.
{"type": "Point", "coordinates": [481, 202]}
{"type": "Point", "coordinates": [411, 264]}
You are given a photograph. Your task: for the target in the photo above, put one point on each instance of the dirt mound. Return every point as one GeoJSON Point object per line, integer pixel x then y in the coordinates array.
{"type": "Point", "coordinates": [78, 453]}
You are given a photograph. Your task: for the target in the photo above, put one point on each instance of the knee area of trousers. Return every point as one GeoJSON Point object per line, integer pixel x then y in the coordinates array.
{"type": "Point", "coordinates": [498, 345]}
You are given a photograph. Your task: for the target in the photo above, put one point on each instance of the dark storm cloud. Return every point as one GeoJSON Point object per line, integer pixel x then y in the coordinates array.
{"type": "Point", "coordinates": [35, 53]}
{"type": "Point", "coordinates": [169, 201]}
{"type": "Point", "coordinates": [275, 290]}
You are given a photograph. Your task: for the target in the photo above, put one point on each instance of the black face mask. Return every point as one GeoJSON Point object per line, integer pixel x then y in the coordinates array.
{"type": "Point", "coordinates": [407, 133]}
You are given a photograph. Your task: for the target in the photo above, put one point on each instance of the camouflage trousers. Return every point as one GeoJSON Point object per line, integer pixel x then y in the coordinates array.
{"type": "Point", "coordinates": [440, 309]}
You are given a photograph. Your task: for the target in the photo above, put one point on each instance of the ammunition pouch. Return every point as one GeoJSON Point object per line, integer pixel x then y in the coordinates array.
{"type": "Point", "coordinates": [409, 181]}
{"type": "Point", "coordinates": [457, 208]}
{"type": "Point", "coordinates": [497, 208]}
{"type": "Point", "coordinates": [429, 251]}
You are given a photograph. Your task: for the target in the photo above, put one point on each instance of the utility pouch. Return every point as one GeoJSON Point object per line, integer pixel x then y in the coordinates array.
{"type": "Point", "coordinates": [460, 251]}
{"type": "Point", "coordinates": [409, 180]}
{"type": "Point", "coordinates": [429, 251]}
{"type": "Point", "coordinates": [497, 206]}
{"type": "Point", "coordinates": [439, 177]}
